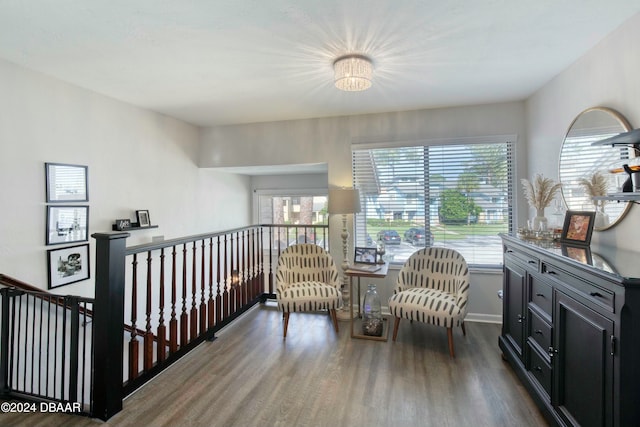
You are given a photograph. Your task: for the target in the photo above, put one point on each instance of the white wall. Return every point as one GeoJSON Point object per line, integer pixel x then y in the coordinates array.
{"type": "Point", "coordinates": [329, 141]}
{"type": "Point", "coordinates": [606, 76]}
{"type": "Point", "coordinates": [137, 159]}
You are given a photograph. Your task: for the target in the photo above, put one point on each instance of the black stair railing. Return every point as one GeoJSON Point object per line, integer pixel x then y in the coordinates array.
{"type": "Point", "coordinates": [46, 347]}
{"type": "Point", "coordinates": [153, 303]}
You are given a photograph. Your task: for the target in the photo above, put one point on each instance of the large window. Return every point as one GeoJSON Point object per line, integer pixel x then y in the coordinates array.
{"type": "Point", "coordinates": [456, 195]}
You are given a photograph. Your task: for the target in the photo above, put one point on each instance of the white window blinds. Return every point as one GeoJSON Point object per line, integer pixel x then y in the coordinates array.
{"type": "Point", "coordinates": [456, 195]}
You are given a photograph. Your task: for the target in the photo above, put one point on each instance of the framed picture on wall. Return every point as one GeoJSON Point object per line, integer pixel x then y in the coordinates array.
{"type": "Point", "coordinates": [67, 224]}
{"type": "Point", "coordinates": [578, 227]}
{"type": "Point", "coordinates": [68, 265]}
{"type": "Point", "coordinates": [66, 183]}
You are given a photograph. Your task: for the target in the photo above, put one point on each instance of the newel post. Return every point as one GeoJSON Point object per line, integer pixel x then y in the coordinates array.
{"type": "Point", "coordinates": [108, 323]}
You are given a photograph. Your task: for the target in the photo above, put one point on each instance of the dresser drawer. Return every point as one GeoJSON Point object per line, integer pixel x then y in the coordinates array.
{"type": "Point", "coordinates": [541, 295]}
{"type": "Point", "coordinates": [523, 258]}
{"type": "Point", "coordinates": [540, 370]}
{"type": "Point", "coordinates": [602, 297]}
{"type": "Point", "coordinates": [539, 331]}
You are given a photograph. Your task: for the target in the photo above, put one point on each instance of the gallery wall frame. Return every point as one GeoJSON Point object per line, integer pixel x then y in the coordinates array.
{"type": "Point", "coordinates": [66, 183]}
{"type": "Point", "coordinates": [67, 224]}
{"type": "Point", "coordinates": [68, 265]}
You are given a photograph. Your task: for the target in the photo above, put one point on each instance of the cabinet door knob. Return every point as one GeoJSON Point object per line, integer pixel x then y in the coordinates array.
{"type": "Point", "coordinates": [531, 261]}
{"type": "Point", "coordinates": [539, 332]}
{"type": "Point", "coordinates": [520, 318]}
{"type": "Point", "coordinates": [540, 295]}
{"type": "Point", "coordinates": [595, 294]}
{"type": "Point", "coordinates": [538, 368]}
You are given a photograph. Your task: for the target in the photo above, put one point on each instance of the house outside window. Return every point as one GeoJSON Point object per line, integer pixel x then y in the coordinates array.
{"type": "Point", "coordinates": [455, 194]}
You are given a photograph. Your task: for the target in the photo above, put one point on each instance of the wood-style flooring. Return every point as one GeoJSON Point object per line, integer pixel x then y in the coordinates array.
{"type": "Point", "coordinates": [251, 376]}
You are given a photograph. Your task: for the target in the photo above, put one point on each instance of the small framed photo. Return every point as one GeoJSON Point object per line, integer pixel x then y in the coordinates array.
{"type": "Point", "coordinates": [66, 183]}
{"type": "Point", "coordinates": [365, 255]}
{"type": "Point", "coordinates": [143, 218]}
{"type": "Point", "coordinates": [67, 224]}
{"type": "Point", "coordinates": [68, 265]}
{"type": "Point", "coordinates": [578, 226]}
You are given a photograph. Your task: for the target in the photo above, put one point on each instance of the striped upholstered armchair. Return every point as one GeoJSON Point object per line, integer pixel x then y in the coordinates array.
{"type": "Point", "coordinates": [307, 279]}
{"type": "Point", "coordinates": [432, 287]}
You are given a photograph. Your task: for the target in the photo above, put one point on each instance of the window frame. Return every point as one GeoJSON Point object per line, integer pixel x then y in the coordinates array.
{"type": "Point", "coordinates": [510, 205]}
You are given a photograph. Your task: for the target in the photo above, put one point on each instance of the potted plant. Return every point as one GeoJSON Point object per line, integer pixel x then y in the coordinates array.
{"type": "Point", "coordinates": [539, 194]}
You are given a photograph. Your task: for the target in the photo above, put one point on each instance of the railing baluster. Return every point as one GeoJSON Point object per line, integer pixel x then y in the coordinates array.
{"type": "Point", "coordinates": [46, 387]}
{"type": "Point", "coordinates": [261, 260]}
{"type": "Point", "coordinates": [184, 317]}
{"type": "Point", "coordinates": [203, 306]}
{"type": "Point", "coordinates": [37, 351]}
{"type": "Point", "coordinates": [148, 334]}
{"type": "Point", "coordinates": [234, 274]}
{"type": "Point", "coordinates": [63, 350]}
{"type": "Point", "coordinates": [4, 339]}
{"type": "Point", "coordinates": [225, 287]}
{"type": "Point", "coordinates": [218, 295]}
{"type": "Point", "coordinates": [254, 282]}
{"type": "Point", "coordinates": [162, 330]}
{"type": "Point", "coordinates": [133, 342]}
{"type": "Point", "coordinates": [73, 348]}
{"type": "Point", "coordinates": [194, 298]}
{"type": "Point", "coordinates": [211, 303]}
{"type": "Point", "coordinates": [245, 290]}
{"type": "Point", "coordinates": [173, 322]}
{"type": "Point", "coordinates": [271, 289]}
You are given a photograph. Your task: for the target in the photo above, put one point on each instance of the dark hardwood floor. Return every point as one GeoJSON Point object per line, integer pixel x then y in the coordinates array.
{"type": "Point", "coordinates": [250, 376]}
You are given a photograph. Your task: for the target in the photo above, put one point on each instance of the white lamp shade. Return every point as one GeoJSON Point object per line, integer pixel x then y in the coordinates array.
{"type": "Point", "coordinates": [344, 201]}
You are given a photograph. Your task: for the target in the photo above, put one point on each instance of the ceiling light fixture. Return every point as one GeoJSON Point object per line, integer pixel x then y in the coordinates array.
{"type": "Point", "coordinates": [353, 73]}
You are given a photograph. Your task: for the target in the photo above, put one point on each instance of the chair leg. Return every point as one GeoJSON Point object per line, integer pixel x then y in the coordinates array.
{"type": "Point", "coordinates": [334, 318]}
{"type": "Point", "coordinates": [464, 331]}
{"type": "Point", "coordinates": [395, 328]}
{"type": "Point", "coordinates": [450, 336]}
{"type": "Point", "coordinates": [286, 322]}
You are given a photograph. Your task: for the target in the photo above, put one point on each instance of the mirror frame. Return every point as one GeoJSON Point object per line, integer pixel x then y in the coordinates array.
{"type": "Point", "coordinates": [627, 127]}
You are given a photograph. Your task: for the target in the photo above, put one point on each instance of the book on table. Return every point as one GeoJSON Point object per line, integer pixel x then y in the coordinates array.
{"type": "Point", "coordinates": [368, 268]}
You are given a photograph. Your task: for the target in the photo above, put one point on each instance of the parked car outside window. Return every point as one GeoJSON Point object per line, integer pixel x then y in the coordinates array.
{"type": "Point", "coordinates": [389, 237]}
{"type": "Point", "coordinates": [418, 236]}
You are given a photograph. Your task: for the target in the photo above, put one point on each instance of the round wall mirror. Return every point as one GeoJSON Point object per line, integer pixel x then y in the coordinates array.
{"type": "Point", "coordinates": [579, 159]}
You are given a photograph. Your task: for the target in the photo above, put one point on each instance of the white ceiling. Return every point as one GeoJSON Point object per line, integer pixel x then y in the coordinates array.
{"type": "Point", "coordinates": [213, 62]}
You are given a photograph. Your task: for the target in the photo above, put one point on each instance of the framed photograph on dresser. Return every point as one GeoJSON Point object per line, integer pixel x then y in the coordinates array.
{"type": "Point", "coordinates": [578, 227]}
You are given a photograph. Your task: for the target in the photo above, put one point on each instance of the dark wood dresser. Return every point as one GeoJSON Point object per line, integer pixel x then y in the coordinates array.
{"type": "Point", "coordinates": [571, 330]}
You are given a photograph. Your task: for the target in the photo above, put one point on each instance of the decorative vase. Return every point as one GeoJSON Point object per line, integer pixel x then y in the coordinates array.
{"type": "Point", "coordinates": [540, 222]}
{"type": "Point", "coordinates": [602, 219]}
{"type": "Point", "coordinates": [372, 313]}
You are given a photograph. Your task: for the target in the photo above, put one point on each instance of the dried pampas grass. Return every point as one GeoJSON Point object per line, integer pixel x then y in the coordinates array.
{"type": "Point", "coordinates": [597, 185]}
{"type": "Point", "coordinates": [541, 192]}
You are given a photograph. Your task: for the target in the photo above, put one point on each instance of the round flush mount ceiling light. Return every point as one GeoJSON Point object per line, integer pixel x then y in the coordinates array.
{"type": "Point", "coordinates": [353, 73]}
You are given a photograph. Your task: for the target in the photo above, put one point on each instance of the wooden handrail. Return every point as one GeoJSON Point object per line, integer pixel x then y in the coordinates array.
{"type": "Point", "coordinates": [10, 281]}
